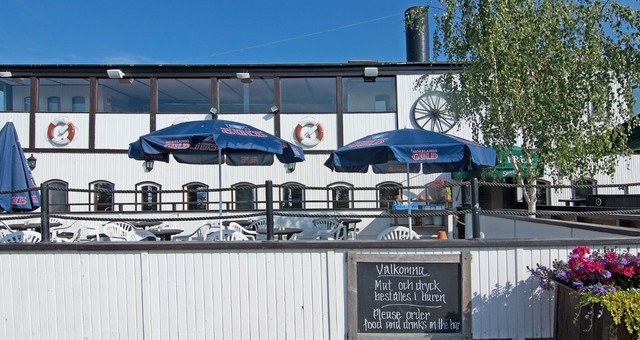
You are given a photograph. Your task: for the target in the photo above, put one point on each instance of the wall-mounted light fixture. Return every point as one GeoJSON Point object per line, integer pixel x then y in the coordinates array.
{"type": "Point", "coordinates": [290, 167]}
{"type": "Point", "coordinates": [6, 74]}
{"type": "Point", "coordinates": [370, 73]}
{"type": "Point", "coordinates": [115, 74]}
{"type": "Point", "coordinates": [31, 162]}
{"type": "Point", "coordinates": [275, 108]}
{"type": "Point", "coordinates": [244, 77]}
{"type": "Point", "coordinates": [148, 165]}
{"type": "Point", "coordinates": [214, 112]}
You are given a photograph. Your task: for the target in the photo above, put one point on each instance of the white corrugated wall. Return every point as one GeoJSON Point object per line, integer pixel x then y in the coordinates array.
{"type": "Point", "coordinates": [239, 294]}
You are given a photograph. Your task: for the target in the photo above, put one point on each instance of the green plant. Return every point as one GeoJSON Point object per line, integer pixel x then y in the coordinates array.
{"type": "Point", "coordinates": [609, 278]}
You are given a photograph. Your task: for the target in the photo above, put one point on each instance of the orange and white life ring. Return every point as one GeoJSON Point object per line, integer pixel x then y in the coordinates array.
{"type": "Point", "coordinates": [61, 131]}
{"type": "Point", "coordinates": [309, 132]}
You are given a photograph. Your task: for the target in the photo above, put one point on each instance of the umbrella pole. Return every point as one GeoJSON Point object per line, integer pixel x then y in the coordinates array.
{"type": "Point", "coordinates": [220, 192]}
{"type": "Point", "coordinates": [409, 202]}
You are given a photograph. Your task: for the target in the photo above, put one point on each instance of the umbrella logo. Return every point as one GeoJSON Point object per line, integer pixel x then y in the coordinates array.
{"type": "Point", "coordinates": [241, 130]}
{"type": "Point", "coordinates": [424, 155]}
{"type": "Point", "coordinates": [180, 144]}
{"type": "Point", "coordinates": [18, 200]}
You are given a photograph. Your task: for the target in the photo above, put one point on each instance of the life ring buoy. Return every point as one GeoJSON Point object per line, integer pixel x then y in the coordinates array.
{"type": "Point", "coordinates": [311, 137]}
{"type": "Point", "coordinates": [61, 131]}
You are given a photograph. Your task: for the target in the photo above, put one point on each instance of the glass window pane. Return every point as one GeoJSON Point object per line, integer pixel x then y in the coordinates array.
{"type": "Point", "coordinates": [56, 94]}
{"type": "Point", "coordinates": [12, 91]}
{"type": "Point", "coordinates": [245, 198]}
{"type": "Point", "coordinates": [103, 200]}
{"type": "Point", "coordinates": [78, 104]}
{"type": "Point", "coordinates": [149, 197]}
{"type": "Point", "coordinates": [239, 97]}
{"type": "Point", "coordinates": [124, 95]}
{"type": "Point", "coordinates": [368, 96]}
{"type": "Point", "coordinates": [387, 193]}
{"type": "Point", "coordinates": [308, 95]}
{"type": "Point", "coordinates": [184, 95]}
{"type": "Point", "coordinates": [53, 104]}
{"type": "Point", "coordinates": [197, 196]}
{"type": "Point", "coordinates": [588, 188]}
{"type": "Point", "coordinates": [292, 196]}
{"type": "Point", "coordinates": [340, 197]}
{"type": "Point", "coordinates": [58, 199]}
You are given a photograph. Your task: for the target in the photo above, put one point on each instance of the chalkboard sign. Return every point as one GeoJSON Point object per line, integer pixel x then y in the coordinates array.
{"type": "Point", "coordinates": [409, 296]}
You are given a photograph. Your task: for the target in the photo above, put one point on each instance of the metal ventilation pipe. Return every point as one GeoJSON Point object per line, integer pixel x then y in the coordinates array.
{"type": "Point", "coordinates": [416, 22]}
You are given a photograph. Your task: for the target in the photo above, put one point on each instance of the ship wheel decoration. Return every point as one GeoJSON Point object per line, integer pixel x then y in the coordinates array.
{"type": "Point", "coordinates": [431, 112]}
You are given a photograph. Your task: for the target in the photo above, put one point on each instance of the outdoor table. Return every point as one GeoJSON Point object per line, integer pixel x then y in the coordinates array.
{"type": "Point", "coordinates": [32, 225]}
{"type": "Point", "coordinates": [281, 233]}
{"type": "Point", "coordinates": [350, 224]}
{"type": "Point", "coordinates": [164, 234]}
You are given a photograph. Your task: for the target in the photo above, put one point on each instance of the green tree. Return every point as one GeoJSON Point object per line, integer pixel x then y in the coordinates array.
{"type": "Point", "coordinates": [552, 76]}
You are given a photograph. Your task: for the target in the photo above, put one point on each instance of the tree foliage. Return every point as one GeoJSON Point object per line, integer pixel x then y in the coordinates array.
{"type": "Point", "coordinates": [552, 76]}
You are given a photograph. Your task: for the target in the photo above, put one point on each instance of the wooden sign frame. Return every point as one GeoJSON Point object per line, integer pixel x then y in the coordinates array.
{"type": "Point", "coordinates": [463, 260]}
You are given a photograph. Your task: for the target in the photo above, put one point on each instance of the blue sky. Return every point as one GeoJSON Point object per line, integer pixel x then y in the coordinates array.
{"type": "Point", "coordinates": [203, 31]}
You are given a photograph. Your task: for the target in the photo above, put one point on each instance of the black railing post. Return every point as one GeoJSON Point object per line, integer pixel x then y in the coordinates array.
{"type": "Point", "coordinates": [44, 212]}
{"type": "Point", "coordinates": [475, 208]}
{"type": "Point", "coordinates": [269, 197]}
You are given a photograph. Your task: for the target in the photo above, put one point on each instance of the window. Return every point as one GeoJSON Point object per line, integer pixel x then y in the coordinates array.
{"type": "Point", "coordinates": [308, 95]}
{"type": "Point", "coordinates": [184, 95]}
{"type": "Point", "coordinates": [57, 94]}
{"type": "Point", "coordinates": [292, 196]}
{"type": "Point", "coordinates": [58, 195]}
{"type": "Point", "coordinates": [78, 104]}
{"type": "Point", "coordinates": [12, 90]}
{"type": "Point", "coordinates": [149, 197]}
{"type": "Point", "coordinates": [341, 195]}
{"type": "Point", "coordinates": [197, 196]}
{"type": "Point", "coordinates": [584, 187]}
{"type": "Point", "coordinates": [387, 192]}
{"type": "Point", "coordinates": [544, 194]}
{"type": "Point", "coordinates": [124, 95]}
{"type": "Point", "coordinates": [102, 200]}
{"type": "Point", "coordinates": [27, 104]}
{"type": "Point", "coordinates": [364, 96]}
{"type": "Point", "coordinates": [245, 196]}
{"type": "Point", "coordinates": [239, 97]}
{"type": "Point", "coordinates": [53, 104]}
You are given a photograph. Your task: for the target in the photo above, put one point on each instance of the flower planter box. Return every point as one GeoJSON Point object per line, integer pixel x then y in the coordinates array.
{"type": "Point", "coordinates": [591, 323]}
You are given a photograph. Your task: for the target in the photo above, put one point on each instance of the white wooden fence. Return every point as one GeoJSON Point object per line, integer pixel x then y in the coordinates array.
{"type": "Point", "coordinates": [264, 290]}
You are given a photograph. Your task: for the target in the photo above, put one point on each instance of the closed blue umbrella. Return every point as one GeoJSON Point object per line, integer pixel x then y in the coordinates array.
{"type": "Point", "coordinates": [15, 174]}
{"type": "Point", "coordinates": [433, 151]}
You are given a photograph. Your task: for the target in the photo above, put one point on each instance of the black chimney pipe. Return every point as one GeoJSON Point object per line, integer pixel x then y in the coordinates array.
{"type": "Point", "coordinates": [416, 24]}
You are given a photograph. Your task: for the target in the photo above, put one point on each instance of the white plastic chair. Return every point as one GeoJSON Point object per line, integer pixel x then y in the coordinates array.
{"type": "Point", "coordinates": [329, 229]}
{"type": "Point", "coordinates": [141, 235]}
{"type": "Point", "coordinates": [4, 229]}
{"type": "Point", "coordinates": [199, 234]}
{"type": "Point", "coordinates": [256, 225]}
{"type": "Point", "coordinates": [117, 231]}
{"type": "Point", "coordinates": [227, 235]}
{"type": "Point", "coordinates": [250, 234]}
{"type": "Point", "coordinates": [398, 233]}
{"type": "Point", "coordinates": [57, 232]}
{"type": "Point", "coordinates": [26, 236]}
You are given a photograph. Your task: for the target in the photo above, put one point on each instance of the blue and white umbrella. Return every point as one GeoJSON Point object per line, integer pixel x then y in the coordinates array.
{"type": "Point", "coordinates": [15, 174]}
{"type": "Point", "coordinates": [391, 151]}
{"type": "Point", "coordinates": [215, 141]}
